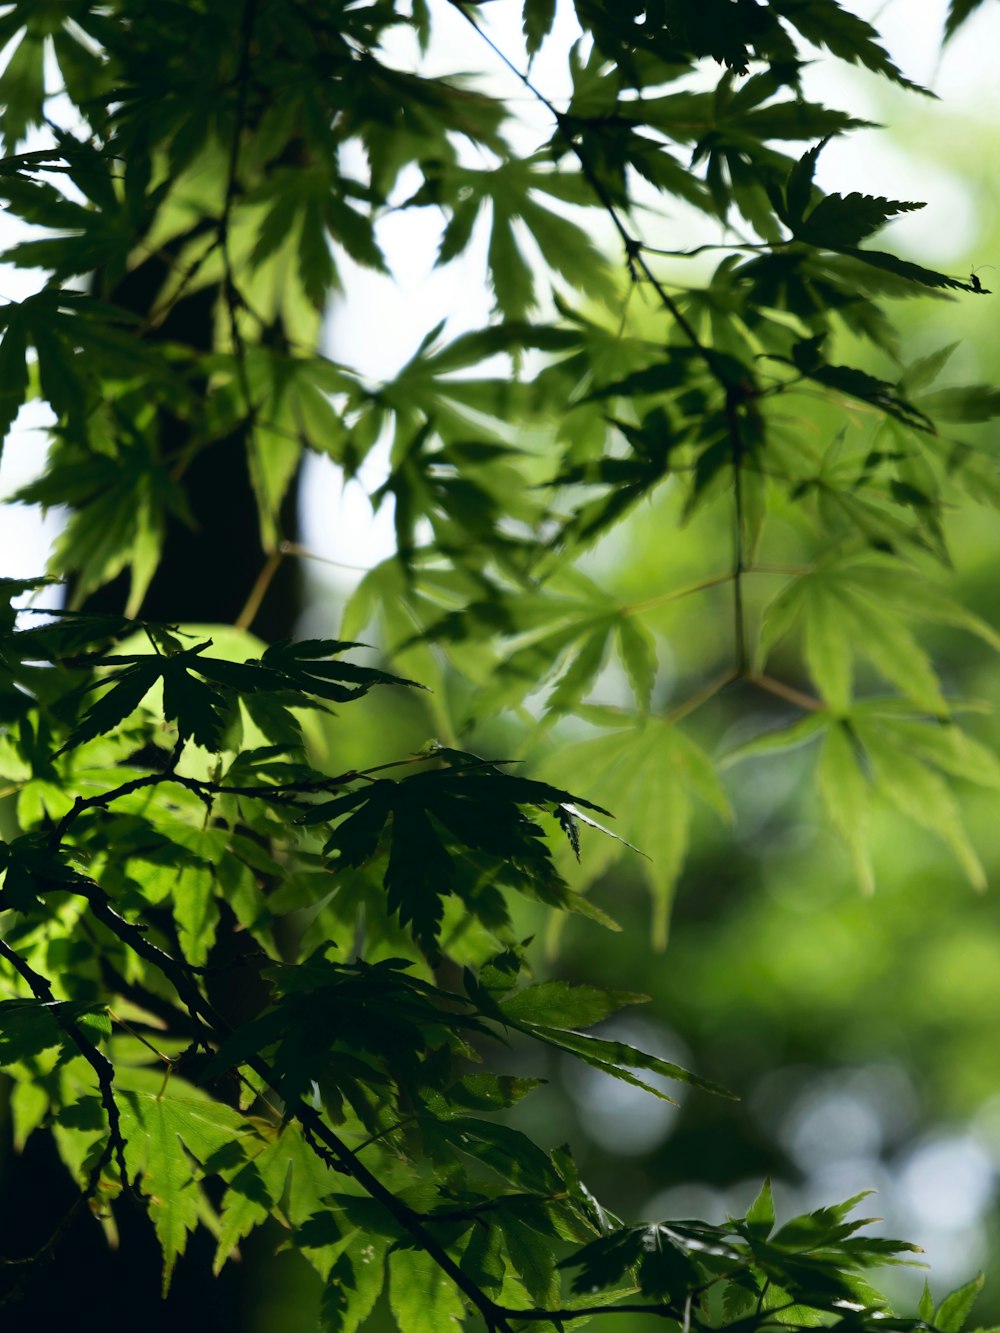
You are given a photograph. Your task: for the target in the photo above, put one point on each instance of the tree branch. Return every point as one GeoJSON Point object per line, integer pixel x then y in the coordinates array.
{"type": "Point", "coordinates": [98, 1061]}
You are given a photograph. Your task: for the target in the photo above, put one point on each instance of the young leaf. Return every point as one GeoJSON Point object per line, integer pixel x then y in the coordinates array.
{"type": "Point", "coordinates": [925, 1307]}
{"type": "Point", "coordinates": [760, 1214]}
{"type": "Point", "coordinates": [955, 1308]}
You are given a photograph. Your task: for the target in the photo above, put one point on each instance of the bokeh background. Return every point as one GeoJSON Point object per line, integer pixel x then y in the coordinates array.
{"type": "Point", "coordinates": [860, 1032]}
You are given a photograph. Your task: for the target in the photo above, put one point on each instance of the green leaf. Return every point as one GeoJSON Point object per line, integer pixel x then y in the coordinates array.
{"type": "Point", "coordinates": [539, 16]}
{"type": "Point", "coordinates": [513, 285]}
{"type": "Point", "coordinates": [442, 823]}
{"type": "Point", "coordinates": [13, 371]}
{"type": "Point", "coordinates": [846, 220]}
{"type": "Point", "coordinates": [780, 738]}
{"type": "Point", "coordinates": [955, 1308]}
{"type": "Point", "coordinates": [567, 249]}
{"type": "Point", "coordinates": [651, 775]}
{"type": "Point", "coordinates": [22, 88]}
{"type": "Point", "coordinates": [508, 1152]}
{"type": "Point", "coordinates": [29, 1027]}
{"type": "Point", "coordinates": [959, 11]}
{"type": "Point", "coordinates": [665, 1270]}
{"type": "Point", "coordinates": [557, 1004]}
{"type": "Point", "coordinates": [760, 1214]}
{"type": "Point", "coordinates": [856, 607]}
{"type": "Point", "coordinates": [32, 865]}
{"type": "Point", "coordinates": [617, 1058]}
{"type": "Point", "coordinates": [638, 652]}
{"type": "Point", "coordinates": [532, 1258]}
{"type": "Point", "coordinates": [918, 793]}
{"type": "Point", "coordinates": [825, 635]}
{"type": "Point", "coordinates": [905, 268]}
{"type": "Point", "coordinates": [846, 796]}
{"type": "Point", "coordinates": [607, 1260]}
{"type": "Point", "coordinates": [165, 1138]}
{"type": "Point", "coordinates": [483, 1259]}
{"type": "Point", "coordinates": [355, 1282]}
{"type": "Point", "coordinates": [969, 402]}
{"type": "Point", "coordinates": [255, 1188]}
{"type": "Point", "coordinates": [826, 23]}
{"type": "Point", "coordinates": [458, 233]}
{"type": "Point", "coordinates": [857, 384]}
{"type": "Point", "coordinates": [925, 1309]}
{"type": "Point", "coordinates": [421, 1295]}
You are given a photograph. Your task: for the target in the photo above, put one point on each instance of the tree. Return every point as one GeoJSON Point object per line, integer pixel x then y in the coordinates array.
{"type": "Point", "coordinates": [253, 969]}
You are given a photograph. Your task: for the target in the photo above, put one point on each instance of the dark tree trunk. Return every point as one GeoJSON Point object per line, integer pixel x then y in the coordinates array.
{"type": "Point", "coordinates": [206, 574]}
{"type": "Point", "coordinates": [209, 568]}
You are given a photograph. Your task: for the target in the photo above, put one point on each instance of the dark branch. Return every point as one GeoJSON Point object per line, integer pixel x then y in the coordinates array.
{"type": "Point", "coordinates": [97, 1060]}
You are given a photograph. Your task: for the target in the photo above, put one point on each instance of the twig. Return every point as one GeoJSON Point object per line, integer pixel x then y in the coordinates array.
{"type": "Point", "coordinates": [215, 1029]}
{"type": "Point", "coordinates": [808, 702]}
{"type": "Point", "coordinates": [259, 590]}
{"type": "Point", "coordinates": [739, 555]}
{"type": "Point", "coordinates": [661, 599]}
{"type": "Point", "coordinates": [588, 1311]}
{"type": "Point", "coordinates": [29, 1263]}
{"type": "Point", "coordinates": [97, 1060]}
{"type": "Point", "coordinates": [712, 245]}
{"type": "Point", "coordinates": [336, 1153]}
{"type": "Point", "coordinates": [304, 553]}
{"type": "Point", "coordinates": [701, 696]}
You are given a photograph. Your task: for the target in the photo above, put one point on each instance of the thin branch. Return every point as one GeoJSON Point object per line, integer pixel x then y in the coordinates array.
{"type": "Point", "coordinates": [807, 702]}
{"type": "Point", "coordinates": [337, 1155]}
{"type": "Point", "coordinates": [588, 1311]}
{"type": "Point", "coordinates": [98, 1061]}
{"type": "Point", "coordinates": [30, 1263]}
{"type": "Point", "coordinates": [661, 599]}
{"type": "Point", "coordinates": [303, 553]}
{"type": "Point", "coordinates": [133, 1032]}
{"type": "Point", "coordinates": [701, 696]}
{"type": "Point", "coordinates": [739, 555]}
{"type": "Point", "coordinates": [158, 313]}
{"type": "Point", "coordinates": [712, 245]}
{"type": "Point", "coordinates": [259, 590]}
{"type": "Point", "coordinates": [285, 792]}
{"type": "Point", "coordinates": [215, 1030]}
{"type": "Point", "coordinates": [795, 571]}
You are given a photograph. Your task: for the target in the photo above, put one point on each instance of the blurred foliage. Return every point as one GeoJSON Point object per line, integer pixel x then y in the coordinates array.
{"type": "Point", "coordinates": [684, 538]}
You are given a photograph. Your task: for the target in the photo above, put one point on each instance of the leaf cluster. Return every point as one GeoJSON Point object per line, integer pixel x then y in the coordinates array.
{"type": "Point", "coordinates": [174, 789]}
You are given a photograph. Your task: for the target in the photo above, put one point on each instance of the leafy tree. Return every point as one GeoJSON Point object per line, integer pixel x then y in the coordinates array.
{"type": "Point", "coordinates": [191, 804]}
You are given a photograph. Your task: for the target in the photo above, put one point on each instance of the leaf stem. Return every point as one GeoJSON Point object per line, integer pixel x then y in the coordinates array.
{"type": "Point", "coordinates": [701, 696]}
{"type": "Point", "coordinates": [259, 590]}
{"type": "Point", "coordinates": [739, 559]}
{"type": "Point", "coordinates": [661, 599]}
{"type": "Point", "coordinates": [807, 702]}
